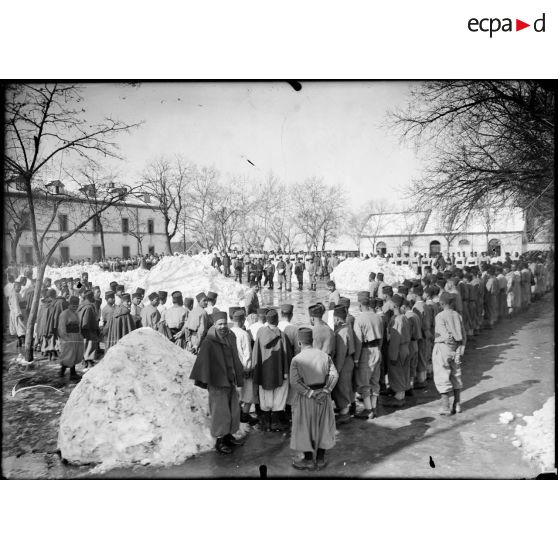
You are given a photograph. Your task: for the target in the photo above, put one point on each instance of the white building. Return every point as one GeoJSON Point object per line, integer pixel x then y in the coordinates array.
{"type": "Point", "coordinates": [425, 232]}
{"type": "Point", "coordinates": [133, 226]}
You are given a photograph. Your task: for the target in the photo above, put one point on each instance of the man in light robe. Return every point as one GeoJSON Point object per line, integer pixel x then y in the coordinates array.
{"type": "Point", "coordinates": [150, 315]}
{"type": "Point", "coordinates": [219, 370]}
{"type": "Point", "coordinates": [17, 323]}
{"type": "Point", "coordinates": [322, 334]}
{"type": "Point", "coordinates": [121, 322]}
{"type": "Point", "coordinates": [198, 323]}
{"type": "Point", "coordinates": [343, 392]}
{"type": "Point", "coordinates": [291, 334]}
{"type": "Point", "coordinates": [313, 377]}
{"type": "Point", "coordinates": [334, 296]}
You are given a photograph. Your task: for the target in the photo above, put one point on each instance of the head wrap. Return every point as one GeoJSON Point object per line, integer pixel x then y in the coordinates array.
{"type": "Point", "coordinates": [153, 296]}
{"type": "Point", "coordinates": [287, 308]}
{"type": "Point", "coordinates": [340, 312]}
{"type": "Point", "coordinates": [219, 316]}
{"type": "Point", "coordinates": [305, 335]}
{"type": "Point", "coordinates": [272, 317]}
{"type": "Point", "coordinates": [201, 296]}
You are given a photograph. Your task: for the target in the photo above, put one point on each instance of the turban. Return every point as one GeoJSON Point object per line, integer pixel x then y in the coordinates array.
{"type": "Point", "coordinates": [201, 296]}
{"type": "Point", "coordinates": [211, 295]}
{"type": "Point", "coordinates": [363, 297]}
{"type": "Point", "coordinates": [74, 300]}
{"type": "Point", "coordinates": [153, 296]}
{"type": "Point", "coordinates": [397, 300]}
{"type": "Point", "coordinates": [272, 317]}
{"type": "Point", "coordinates": [305, 335]}
{"type": "Point", "coordinates": [219, 316]}
{"type": "Point", "coordinates": [316, 311]}
{"type": "Point", "coordinates": [287, 308]}
{"type": "Point", "coordinates": [340, 312]}
{"type": "Point", "coordinates": [125, 296]}
{"type": "Point", "coordinates": [109, 294]}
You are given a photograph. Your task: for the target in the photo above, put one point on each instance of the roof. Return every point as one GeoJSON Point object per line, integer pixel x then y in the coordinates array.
{"type": "Point", "coordinates": [430, 222]}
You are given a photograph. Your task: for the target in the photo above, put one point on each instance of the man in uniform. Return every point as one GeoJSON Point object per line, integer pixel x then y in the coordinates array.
{"type": "Point", "coordinates": [219, 370]}
{"type": "Point", "coordinates": [198, 323]}
{"type": "Point", "coordinates": [373, 285]}
{"type": "Point", "coordinates": [369, 332]}
{"type": "Point", "coordinates": [313, 377]}
{"type": "Point", "coordinates": [150, 316]}
{"type": "Point", "coordinates": [299, 272]}
{"type": "Point", "coordinates": [324, 338]}
{"type": "Point", "coordinates": [343, 393]}
{"type": "Point", "coordinates": [251, 302]}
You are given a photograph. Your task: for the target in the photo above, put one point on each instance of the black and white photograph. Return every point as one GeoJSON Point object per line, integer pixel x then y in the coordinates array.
{"type": "Point", "coordinates": [278, 279]}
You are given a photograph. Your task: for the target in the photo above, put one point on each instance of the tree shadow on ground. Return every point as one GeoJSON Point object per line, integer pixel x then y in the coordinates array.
{"type": "Point", "coordinates": [500, 393]}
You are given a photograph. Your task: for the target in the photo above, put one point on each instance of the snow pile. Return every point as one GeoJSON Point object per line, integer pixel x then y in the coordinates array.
{"type": "Point", "coordinates": [138, 406]}
{"type": "Point", "coordinates": [538, 437]}
{"type": "Point", "coordinates": [352, 274]}
{"type": "Point", "coordinates": [506, 417]}
{"type": "Point", "coordinates": [191, 275]}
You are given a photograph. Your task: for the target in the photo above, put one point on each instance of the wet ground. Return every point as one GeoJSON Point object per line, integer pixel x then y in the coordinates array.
{"type": "Point", "coordinates": [510, 368]}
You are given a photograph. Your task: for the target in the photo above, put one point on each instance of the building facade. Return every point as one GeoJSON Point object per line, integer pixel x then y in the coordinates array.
{"type": "Point", "coordinates": [129, 228]}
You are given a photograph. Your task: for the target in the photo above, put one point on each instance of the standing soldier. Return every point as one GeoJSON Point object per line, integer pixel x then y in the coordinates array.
{"type": "Point", "coordinates": [324, 338]}
{"type": "Point", "coordinates": [369, 331]}
{"type": "Point", "coordinates": [269, 273]}
{"type": "Point", "coordinates": [149, 314]}
{"type": "Point", "coordinates": [121, 322]}
{"type": "Point", "coordinates": [373, 285]}
{"type": "Point", "coordinates": [313, 377]}
{"type": "Point", "coordinates": [71, 341]}
{"type": "Point", "coordinates": [281, 270]}
{"type": "Point", "coordinates": [299, 272]}
{"type": "Point", "coordinates": [288, 273]}
{"type": "Point", "coordinates": [311, 269]}
{"type": "Point", "coordinates": [238, 265]}
{"type": "Point", "coordinates": [343, 392]}
{"type": "Point", "coordinates": [415, 327]}
{"type": "Point", "coordinates": [251, 301]}
{"type": "Point", "coordinates": [89, 326]}
{"type": "Point", "coordinates": [198, 323]}
{"type": "Point", "coordinates": [525, 285]}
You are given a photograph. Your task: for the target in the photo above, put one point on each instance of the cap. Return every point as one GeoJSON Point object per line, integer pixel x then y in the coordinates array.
{"type": "Point", "coordinates": [233, 309]}
{"type": "Point", "coordinates": [380, 276]}
{"type": "Point", "coordinates": [316, 311]}
{"type": "Point", "coordinates": [201, 296]}
{"type": "Point", "coordinates": [397, 300]}
{"type": "Point", "coordinates": [109, 294]}
{"type": "Point", "coordinates": [272, 317]}
{"type": "Point", "coordinates": [126, 296]}
{"type": "Point", "coordinates": [445, 298]}
{"type": "Point", "coordinates": [403, 290]}
{"type": "Point", "coordinates": [340, 311]}
{"type": "Point", "coordinates": [188, 301]}
{"type": "Point", "coordinates": [238, 314]}
{"type": "Point", "coordinates": [51, 292]}
{"type": "Point", "coordinates": [346, 302]}
{"type": "Point", "coordinates": [305, 335]}
{"type": "Point", "coordinates": [112, 284]}
{"type": "Point", "coordinates": [211, 295]}
{"type": "Point", "coordinates": [219, 316]}
{"type": "Point", "coordinates": [140, 291]}
{"type": "Point", "coordinates": [120, 288]}
{"type": "Point", "coordinates": [287, 308]}
{"type": "Point", "coordinates": [330, 284]}
{"type": "Point", "coordinates": [363, 297]}
{"type": "Point", "coordinates": [74, 300]}
{"type": "Point", "coordinates": [153, 296]}
{"type": "Point", "coordinates": [163, 294]}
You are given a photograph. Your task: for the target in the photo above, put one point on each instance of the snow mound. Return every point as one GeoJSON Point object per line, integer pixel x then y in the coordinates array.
{"type": "Point", "coordinates": [137, 406]}
{"type": "Point", "coordinates": [538, 437]}
{"type": "Point", "coordinates": [352, 274]}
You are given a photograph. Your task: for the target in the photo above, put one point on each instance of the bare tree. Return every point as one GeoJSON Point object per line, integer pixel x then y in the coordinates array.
{"type": "Point", "coordinates": [486, 139]}
{"type": "Point", "coordinates": [448, 224]}
{"type": "Point", "coordinates": [43, 122]}
{"type": "Point", "coordinates": [380, 217]}
{"type": "Point", "coordinates": [167, 182]}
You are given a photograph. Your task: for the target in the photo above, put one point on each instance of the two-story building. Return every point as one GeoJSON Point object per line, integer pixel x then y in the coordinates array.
{"type": "Point", "coordinates": [132, 226]}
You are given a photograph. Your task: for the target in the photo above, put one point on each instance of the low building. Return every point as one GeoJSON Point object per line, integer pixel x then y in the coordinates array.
{"type": "Point", "coordinates": [130, 227]}
{"type": "Point", "coordinates": [425, 232]}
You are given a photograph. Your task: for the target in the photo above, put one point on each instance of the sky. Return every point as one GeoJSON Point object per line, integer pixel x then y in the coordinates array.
{"type": "Point", "coordinates": [333, 130]}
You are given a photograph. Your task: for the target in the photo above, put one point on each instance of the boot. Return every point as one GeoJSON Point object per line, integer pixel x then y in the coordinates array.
{"type": "Point", "coordinates": [74, 375]}
{"type": "Point", "coordinates": [320, 459]}
{"type": "Point", "coordinates": [266, 421]}
{"type": "Point", "coordinates": [231, 441]}
{"type": "Point", "coordinates": [444, 406]}
{"type": "Point", "coordinates": [374, 401]}
{"type": "Point", "coordinates": [221, 447]}
{"type": "Point", "coordinates": [352, 408]}
{"type": "Point", "coordinates": [457, 401]}
{"type": "Point", "coordinates": [62, 371]}
{"type": "Point", "coordinates": [306, 463]}
{"type": "Point", "coordinates": [276, 425]}
{"type": "Point", "coordinates": [247, 418]}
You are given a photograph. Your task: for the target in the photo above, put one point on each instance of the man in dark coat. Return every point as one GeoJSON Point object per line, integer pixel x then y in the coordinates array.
{"type": "Point", "coordinates": [89, 320]}
{"type": "Point", "coordinates": [271, 357]}
{"type": "Point", "coordinates": [299, 272]}
{"type": "Point", "coordinates": [121, 322]}
{"type": "Point", "coordinates": [219, 370]}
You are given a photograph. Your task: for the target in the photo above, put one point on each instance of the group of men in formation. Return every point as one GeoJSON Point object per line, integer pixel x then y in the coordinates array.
{"type": "Point", "coordinates": [307, 379]}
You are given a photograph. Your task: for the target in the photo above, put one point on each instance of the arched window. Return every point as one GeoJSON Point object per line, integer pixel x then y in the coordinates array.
{"type": "Point", "coordinates": [435, 248]}
{"type": "Point", "coordinates": [464, 243]}
{"type": "Point", "coordinates": [494, 248]}
{"type": "Point", "coordinates": [381, 248]}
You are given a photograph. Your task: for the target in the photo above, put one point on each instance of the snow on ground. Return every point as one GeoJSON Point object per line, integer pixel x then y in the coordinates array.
{"type": "Point", "coordinates": [137, 406]}
{"type": "Point", "coordinates": [352, 274]}
{"type": "Point", "coordinates": [190, 275]}
{"type": "Point", "coordinates": [537, 437]}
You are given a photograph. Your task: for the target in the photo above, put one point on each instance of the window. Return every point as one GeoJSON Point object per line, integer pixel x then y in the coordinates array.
{"type": "Point", "coordinates": [96, 224]}
{"type": "Point", "coordinates": [151, 249]}
{"type": "Point", "coordinates": [125, 251]}
{"type": "Point", "coordinates": [463, 243]}
{"type": "Point", "coordinates": [150, 226]}
{"type": "Point", "coordinates": [64, 253]}
{"type": "Point", "coordinates": [97, 253]}
{"type": "Point", "coordinates": [125, 225]}
{"type": "Point", "coordinates": [63, 223]}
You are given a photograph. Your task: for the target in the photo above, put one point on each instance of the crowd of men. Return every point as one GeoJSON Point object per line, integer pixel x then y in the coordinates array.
{"type": "Point", "coordinates": [307, 379]}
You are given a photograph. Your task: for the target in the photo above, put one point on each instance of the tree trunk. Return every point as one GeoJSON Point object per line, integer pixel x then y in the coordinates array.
{"type": "Point", "coordinates": [34, 310]}
{"type": "Point", "coordinates": [101, 230]}
{"type": "Point", "coordinates": [169, 247]}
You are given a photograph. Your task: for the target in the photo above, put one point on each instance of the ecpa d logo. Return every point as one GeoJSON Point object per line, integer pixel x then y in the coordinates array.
{"type": "Point", "coordinates": [492, 25]}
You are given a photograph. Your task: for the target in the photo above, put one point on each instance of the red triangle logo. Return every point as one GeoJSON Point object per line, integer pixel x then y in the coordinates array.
{"type": "Point", "coordinates": [519, 25]}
